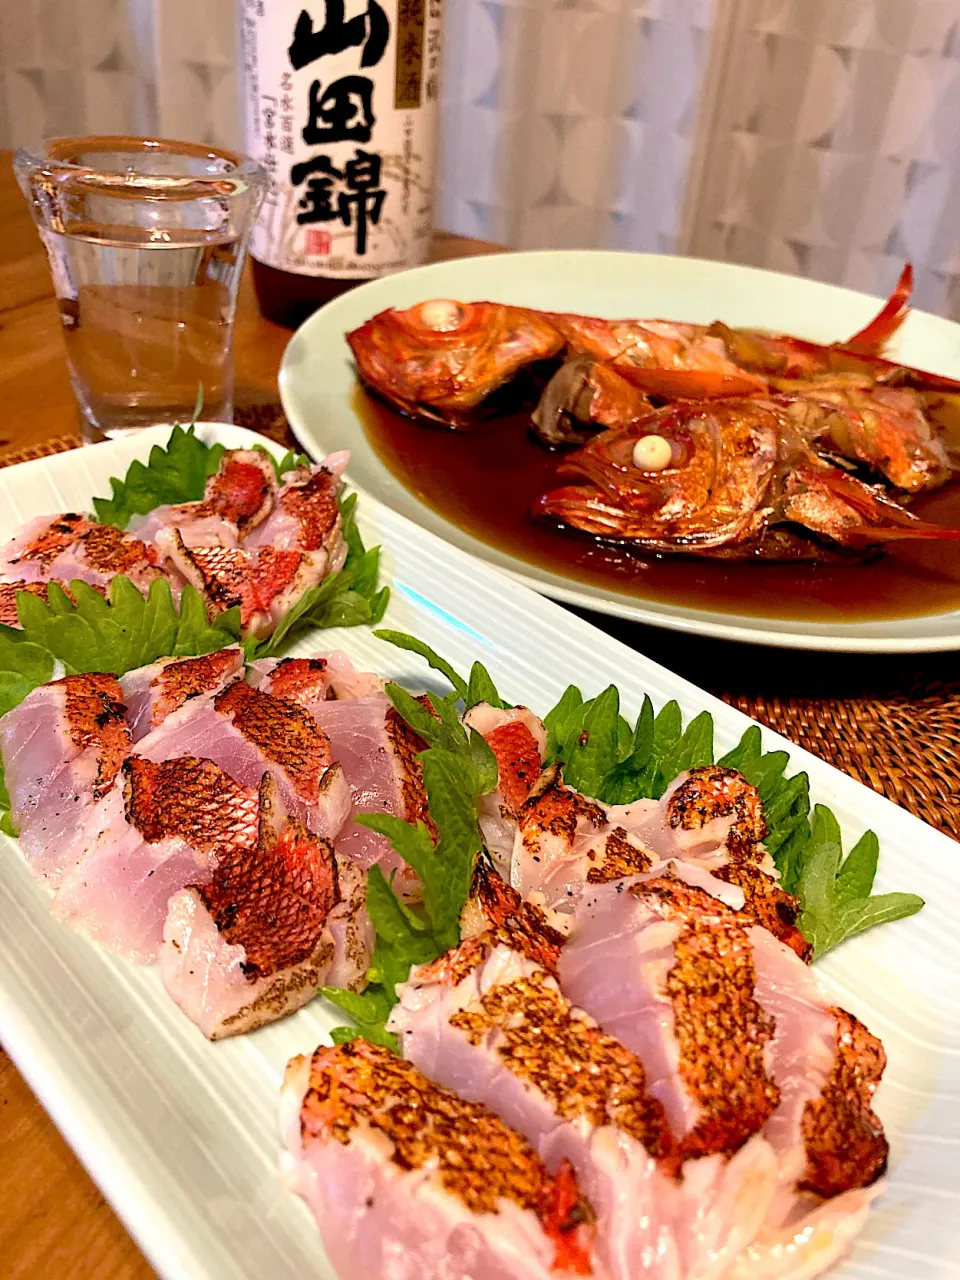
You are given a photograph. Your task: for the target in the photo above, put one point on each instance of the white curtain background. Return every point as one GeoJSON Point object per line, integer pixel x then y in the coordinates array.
{"type": "Point", "coordinates": [820, 137]}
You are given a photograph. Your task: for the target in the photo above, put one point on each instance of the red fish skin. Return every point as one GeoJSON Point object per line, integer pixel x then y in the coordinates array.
{"type": "Point", "coordinates": [314, 505]}
{"type": "Point", "coordinates": [273, 897]}
{"type": "Point", "coordinates": [189, 798]}
{"type": "Point", "coordinates": [283, 731]}
{"type": "Point", "coordinates": [302, 680]}
{"type": "Point", "coordinates": [72, 546]}
{"type": "Point", "coordinates": [518, 761]}
{"type": "Point", "coordinates": [230, 576]}
{"type": "Point", "coordinates": [242, 489]}
{"type": "Point", "coordinates": [188, 678]}
{"type": "Point", "coordinates": [97, 717]}
{"type": "Point", "coordinates": [478, 1159]}
{"type": "Point", "coordinates": [445, 374]}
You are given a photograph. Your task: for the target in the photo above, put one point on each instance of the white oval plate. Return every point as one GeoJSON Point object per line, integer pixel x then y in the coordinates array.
{"type": "Point", "coordinates": [317, 385]}
{"type": "Point", "coordinates": [182, 1135]}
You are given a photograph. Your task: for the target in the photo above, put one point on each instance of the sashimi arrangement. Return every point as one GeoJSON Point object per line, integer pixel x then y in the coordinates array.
{"type": "Point", "coordinates": [266, 546]}
{"type": "Point", "coordinates": [584, 1035]}
{"type": "Point", "coordinates": [614, 1057]}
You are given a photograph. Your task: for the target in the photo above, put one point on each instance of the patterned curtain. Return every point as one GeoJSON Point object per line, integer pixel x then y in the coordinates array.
{"type": "Point", "coordinates": [820, 137]}
{"type": "Point", "coordinates": [159, 67]}
{"type": "Point", "coordinates": [830, 144]}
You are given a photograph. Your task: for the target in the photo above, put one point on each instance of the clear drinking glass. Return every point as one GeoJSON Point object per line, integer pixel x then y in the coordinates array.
{"type": "Point", "coordinates": [146, 240]}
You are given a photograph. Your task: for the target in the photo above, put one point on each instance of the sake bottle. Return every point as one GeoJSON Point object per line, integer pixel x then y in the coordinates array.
{"type": "Point", "coordinates": [340, 107]}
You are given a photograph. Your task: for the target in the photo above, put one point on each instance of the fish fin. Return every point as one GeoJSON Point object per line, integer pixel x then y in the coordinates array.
{"type": "Point", "coordinates": [873, 337]}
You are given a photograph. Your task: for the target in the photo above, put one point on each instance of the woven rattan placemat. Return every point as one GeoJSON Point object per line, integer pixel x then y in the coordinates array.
{"type": "Point", "coordinates": [891, 722]}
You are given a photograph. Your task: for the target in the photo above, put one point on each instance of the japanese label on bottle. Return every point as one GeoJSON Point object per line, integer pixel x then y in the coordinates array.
{"type": "Point", "coordinates": [340, 109]}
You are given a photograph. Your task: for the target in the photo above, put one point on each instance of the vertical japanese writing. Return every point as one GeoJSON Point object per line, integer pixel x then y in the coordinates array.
{"type": "Point", "coordinates": [411, 16]}
{"type": "Point", "coordinates": [268, 115]}
{"type": "Point", "coordinates": [286, 113]}
{"type": "Point", "coordinates": [251, 57]}
{"type": "Point", "coordinates": [341, 100]}
{"type": "Point", "coordinates": [340, 110]}
{"type": "Point", "coordinates": [433, 50]}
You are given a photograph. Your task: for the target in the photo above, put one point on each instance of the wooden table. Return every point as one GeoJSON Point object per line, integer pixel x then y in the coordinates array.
{"type": "Point", "coordinates": [53, 1220]}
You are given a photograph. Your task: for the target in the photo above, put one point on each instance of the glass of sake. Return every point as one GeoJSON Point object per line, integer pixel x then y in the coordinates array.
{"type": "Point", "coordinates": [146, 240]}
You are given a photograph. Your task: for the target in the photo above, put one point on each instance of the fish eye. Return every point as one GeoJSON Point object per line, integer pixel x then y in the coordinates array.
{"type": "Point", "coordinates": [441, 315]}
{"type": "Point", "coordinates": [652, 453]}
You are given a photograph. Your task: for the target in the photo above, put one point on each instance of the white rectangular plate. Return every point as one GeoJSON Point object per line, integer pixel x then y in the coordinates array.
{"type": "Point", "coordinates": [181, 1135]}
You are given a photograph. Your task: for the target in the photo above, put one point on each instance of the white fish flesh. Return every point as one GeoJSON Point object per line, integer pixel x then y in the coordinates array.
{"type": "Point", "coordinates": [490, 1023]}
{"type": "Point", "coordinates": [247, 732]}
{"type": "Point", "coordinates": [264, 583]}
{"type": "Point", "coordinates": [306, 515]}
{"type": "Point", "coordinates": [162, 827]}
{"type": "Point", "coordinates": [66, 547]}
{"type": "Point", "coordinates": [152, 693]}
{"type": "Point", "coordinates": [349, 926]}
{"type": "Point", "coordinates": [495, 908]}
{"type": "Point", "coordinates": [409, 1182]}
{"type": "Point", "coordinates": [377, 752]}
{"type": "Point", "coordinates": [62, 748]}
{"type": "Point", "coordinates": [710, 817]}
{"type": "Point", "coordinates": [237, 498]}
{"type": "Point", "coordinates": [518, 740]}
{"type": "Point", "coordinates": [323, 677]}
{"type": "Point", "coordinates": [564, 842]}
{"type": "Point", "coordinates": [742, 1050]}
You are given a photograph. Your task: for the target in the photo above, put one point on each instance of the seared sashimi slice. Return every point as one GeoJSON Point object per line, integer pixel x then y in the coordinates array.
{"type": "Point", "coordinates": [518, 740]}
{"type": "Point", "coordinates": [251, 945]}
{"type": "Point", "coordinates": [491, 1024]}
{"type": "Point", "coordinates": [236, 499]}
{"type": "Point", "coordinates": [830, 1145]}
{"type": "Point", "coordinates": [249, 733]}
{"type": "Point", "coordinates": [154, 692]}
{"type": "Point", "coordinates": [737, 1039]}
{"type": "Point", "coordinates": [711, 818]}
{"type": "Point", "coordinates": [62, 748]}
{"type": "Point", "coordinates": [409, 1182]}
{"type": "Point", "coordinates": [70, 546]}
{"type": "Point", "coordinates": [265, 583]}
{"type": "Point", "coordinates": [163, 826]}
{"type": "Point", "coordinates": [352, 932]}
{"type": "Point", "coordinates": [377, 751]}
{"type": "Point", "coordinates": [495, 908]}
{"type": "Point", "coordinates": [312, 680]}
{"type": "Point", "coordinates": [565, 841]}
{"type": "Point", "coordinates": [306, 516]}
{"type": "Point", "coordinates": [668, 969]}
{"type": "Point", "coordinates": [717, 819]}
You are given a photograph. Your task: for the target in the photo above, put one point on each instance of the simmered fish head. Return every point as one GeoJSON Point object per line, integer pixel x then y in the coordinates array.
{"type": "Point", "coordinates": [660, 357]}
{"type": "Point", "coordinates": [884, 428]}
{"type": "Point", "coordinates": [712, 478]}
{"type": "Point", "coordinates": [441, 359]}
{"type": "Point", "coordinates": [705, 483]}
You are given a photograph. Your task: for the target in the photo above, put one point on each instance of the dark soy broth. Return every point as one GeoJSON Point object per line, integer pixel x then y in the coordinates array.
{"type": "Point", "coordinates": [485, 479]}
